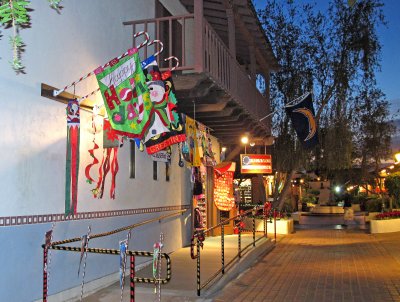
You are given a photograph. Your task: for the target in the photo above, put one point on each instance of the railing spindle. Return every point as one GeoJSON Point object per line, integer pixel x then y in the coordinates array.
{"type": "Point", "coordinates": [198, 267]}
{"type": "Point", "coordinates": [222, 249]}
{"type": "Point", "coordinates": [132, 277]}
{"type": "Point", "coordinates": [254, 229]}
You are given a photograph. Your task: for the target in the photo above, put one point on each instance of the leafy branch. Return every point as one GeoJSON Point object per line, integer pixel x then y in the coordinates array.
{"type": "Point", "coordinates": [14, 14]}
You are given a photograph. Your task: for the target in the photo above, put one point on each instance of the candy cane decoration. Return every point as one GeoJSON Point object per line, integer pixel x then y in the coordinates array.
{"type": "Point", "coordinates": [176, 60]}
{"type": "Point", "coordinates": [161, 45]}
{"type": "Point", "coordinates": [57, 92]}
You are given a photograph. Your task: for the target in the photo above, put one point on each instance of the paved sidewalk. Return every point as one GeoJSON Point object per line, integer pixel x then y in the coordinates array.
{"type": "Point", "coordinates": [182, 286]}
{"type": "Point", "coordinates": [323, 265]}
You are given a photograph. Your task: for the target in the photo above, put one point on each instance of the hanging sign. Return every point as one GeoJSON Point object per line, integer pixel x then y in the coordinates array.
{"type": "Point", "coordinates": [255, 164]}
{"type": "Point", "coordinates": [223, 186]}
{"type": "Point", "coordinates": [161, 156]}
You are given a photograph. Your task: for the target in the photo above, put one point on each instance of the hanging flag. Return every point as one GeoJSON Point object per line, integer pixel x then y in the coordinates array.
{"type": "Point", "coordinates": [72, 158]}
{"type": "Point", "coordinates": [159, 121]}
{"type": "Point", "coordinates": [302, 114]}
{"type": "Point", "coordinates": [125, 94]}
{"type": "Point", "coordinates": [192, 143]}
{"type": "Point", "coordinates": [167, 127]}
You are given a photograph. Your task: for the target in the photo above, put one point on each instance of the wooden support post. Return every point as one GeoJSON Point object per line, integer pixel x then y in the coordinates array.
{"type": "Point", "coordinates": [199, 35]}
{"type": "Point", "coordinates": [231, 32]}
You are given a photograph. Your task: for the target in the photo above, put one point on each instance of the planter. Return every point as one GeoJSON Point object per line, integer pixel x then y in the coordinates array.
{"type": "Point", "coordinates": [327, 210]}
{"type": "Point", "coordinates": [371, 216]}
{"type": "Point", "coordinates": [283, 226]}
{"type": "Point", "coordinates": [385, 226]}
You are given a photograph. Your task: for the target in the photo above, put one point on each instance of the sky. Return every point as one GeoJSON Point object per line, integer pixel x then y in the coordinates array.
{"type": "Point", "coordinates": [389, 76]}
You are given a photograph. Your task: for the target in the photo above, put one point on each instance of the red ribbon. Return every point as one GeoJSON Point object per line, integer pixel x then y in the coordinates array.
{"type": "Point", "coordinates": [114, 171]}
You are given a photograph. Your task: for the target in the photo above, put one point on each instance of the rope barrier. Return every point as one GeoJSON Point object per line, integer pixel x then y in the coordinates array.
{"type": "Point", "coordinates": [128, 252]}
{"type": "Point", "coordinates": [135, 225]}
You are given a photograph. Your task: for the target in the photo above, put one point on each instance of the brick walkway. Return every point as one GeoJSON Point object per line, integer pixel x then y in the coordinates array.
{"type": "Point", "coordinates": [323, 265]}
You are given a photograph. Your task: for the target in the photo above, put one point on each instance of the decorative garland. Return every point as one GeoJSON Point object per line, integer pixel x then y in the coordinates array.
{"type": "Point", "coordinates": [14, 13]}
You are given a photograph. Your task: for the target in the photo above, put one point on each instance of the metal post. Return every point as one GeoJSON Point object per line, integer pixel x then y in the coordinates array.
{"type": "Point", "coordinates": [222, 249]}
{"type": "Point", "coordinates": [254, 230]}
{"type": "Point", "coordinates": [198, 267]}
{"type": "Point", "coordinates": [275, 225]}
{"type": "Point", "coordinates": [265, 224]}
{"type": "Point", "coordinates": [240, 242]}
{"type": "Point", "coordinates": [45, 274]}
{"type": "Point", "coordinates": [132, 283]}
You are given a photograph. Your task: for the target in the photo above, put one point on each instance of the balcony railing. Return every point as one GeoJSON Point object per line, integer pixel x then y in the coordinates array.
{"type": "Point", "coordinates": [182, 36]}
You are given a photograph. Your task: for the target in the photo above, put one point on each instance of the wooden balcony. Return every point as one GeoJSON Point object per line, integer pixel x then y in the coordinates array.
{"type": "Point", "coordinates": [211, 85]}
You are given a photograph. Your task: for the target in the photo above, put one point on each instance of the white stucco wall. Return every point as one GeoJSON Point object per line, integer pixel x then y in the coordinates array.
{"type": "Point", "coordinates": [60, 49]}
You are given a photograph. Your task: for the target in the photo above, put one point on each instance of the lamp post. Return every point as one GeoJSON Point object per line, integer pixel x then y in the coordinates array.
{"type": "Point", "coordinates": [245, 141]}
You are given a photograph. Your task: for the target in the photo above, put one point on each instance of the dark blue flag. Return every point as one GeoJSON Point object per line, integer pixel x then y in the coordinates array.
{"type": "Point", "coordinates": [301, 112]}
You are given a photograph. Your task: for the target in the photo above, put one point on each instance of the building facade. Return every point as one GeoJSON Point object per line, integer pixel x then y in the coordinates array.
{"type": "Point", "coordinates": [221, 48]}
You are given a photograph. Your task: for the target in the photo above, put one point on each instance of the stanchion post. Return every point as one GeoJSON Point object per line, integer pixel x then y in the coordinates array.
{"type": "Point", "coordinates": [240, 242]}
{"type": "Point", "coordinates": [222, 249]}
{"type": "Point", "coordinates": [198, 267]}
{"type": "Point", "coordinates": [254, 229]}
{"type": "Point", "coordinates": [265, 223]}
{"type": "Point", "coordinates": [45, 250]}
{"type": "Point", "coordinates": [275, 225]}
{"type": "Point", "coordinates": [132, 277]}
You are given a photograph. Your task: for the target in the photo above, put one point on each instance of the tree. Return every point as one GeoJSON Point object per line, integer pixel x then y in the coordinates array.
{"type": "Point", "coordinates": [392, 183]}
{"type": "Point", "coordinates": [335, 55]}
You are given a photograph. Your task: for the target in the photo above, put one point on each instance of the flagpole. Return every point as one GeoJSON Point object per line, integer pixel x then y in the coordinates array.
{"type": "Point", "coordinates": [291, 102]}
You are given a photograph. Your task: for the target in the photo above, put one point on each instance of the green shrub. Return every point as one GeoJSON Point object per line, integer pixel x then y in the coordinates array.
{"type": "Point", "coordinates": [373, 205]}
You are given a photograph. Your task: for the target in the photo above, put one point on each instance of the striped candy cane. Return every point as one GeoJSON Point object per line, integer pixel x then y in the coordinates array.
{"type": "Point", "coordinates": [56, 93]}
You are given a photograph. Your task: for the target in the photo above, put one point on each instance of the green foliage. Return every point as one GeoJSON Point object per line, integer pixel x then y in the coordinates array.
{"type": "Point", "coordinates": [374, 205]}
{"type": "Point", "coordinates": [14, 13]}
{"type": "Point", "coordinates": [392, 184]}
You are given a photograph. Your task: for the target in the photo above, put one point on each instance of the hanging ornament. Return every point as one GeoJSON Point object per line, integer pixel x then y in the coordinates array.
{"type": "Point", "coordinates": [84, 246]}
{"type": "Point", "coordinates": [89, 178]}
{"type": "Point", "coordinates": [111, 144]}
{"type": "Point", "coordinates": [72, 158]}
{"type": "Point", "coordinates": [157, 257]}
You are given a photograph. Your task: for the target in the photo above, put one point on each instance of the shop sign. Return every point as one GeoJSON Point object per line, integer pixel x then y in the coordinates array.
{"type": "Point", "coordinates": [162, 156]}
{"type": "Point", "coordinates": [255, 164]}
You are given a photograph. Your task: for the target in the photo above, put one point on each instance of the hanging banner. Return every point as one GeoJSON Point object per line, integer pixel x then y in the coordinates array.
{"type": "Point", "coordinates": [193, 154]}
{"type": "Point", "coordinates": [303, 119]}
{"type": "Point", "coordinates": [255, 164]}
{"type": "Point", "coordinates": [126, 95]}
{"type": "Point", "coordinates": [223, 186]}
{"type": "Point", "coordinates": [72, 157]}
{"type": "Point", "coordinates": [159, 120]}
{"type": "Point", "coordinates": [168, 106]}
